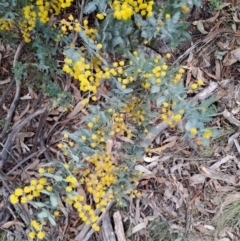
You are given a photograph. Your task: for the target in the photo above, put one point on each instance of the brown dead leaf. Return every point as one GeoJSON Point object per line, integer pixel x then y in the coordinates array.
{"type": "Point", "coordinates": [17, 118]}
{"type": "Point", "coordinates": [236, 53]}
{"type": "Point", "coordinates": [102, 90]}
{"type": "Point", "coordinates": [217, 164]}
{"type": "Point", "coordinates": [124, 139]}
{"type": "Point", "coordinates": [208, 20]}
{"type": "Point", "coordinates": [26, 175]}
{"type": "Point", "coordinates": [81, 192]}
{"type": "Point", "coordinates": [218, 70]}
{"type": "Point", "coordinates": [232, 57]}
{"type": "Point", "coordinates": [235, 17]}
{"type": "Point", "coordinates": [200, 27]}
{"type": "Point", "coordinates": [189, 77]}
{"type": "Point", "coordinates": [194, 71]}
{"type": "Point", "coordinates": [168, 193]}
{"type": "Point", "coordinates": [76, 92]}
{"type": "Point", "coordinates": [32, 93]}
{"type": "Point", "coordinates": [172, 142]}
{"type": "Point", "coordinates": [202, 229]}
{"type": "Point", "coordinates": [200, 74]}
{"type": "Point", "coordinates": [218, 175]}
{"type": "Point", "coordinates": [220, 188]}
{"type": "Point", "coordinates": [231, 118]}
{"type": "Point", "coordinates": [110, 144]}
{"type": "Point", "coordinates": [142, 169]}
{"type": "Point", "coordinates": [223, 46]}
{"type": "Point", "coordinates": [231, 141]}
{"type": "Point", "coordinates": [149, 176]}
{"type": "Point", "coordinates": [6, 81]}
{"type": "Point", "coordinates": [5, 107]}
{"type": "Point", "coordinates": [213, 34]}
{"type": "Point", "coordinates": [76, 110]}
{"type": "Point", "coordinates": [197, 179]}
{"type": "Point", "coordinates": [20, 141]}
{"type": "Point", "coordinates": [137, 228]}
{"type": "Point", "coordinates": [62, 207]}
{"type": "Point", "coordinates": [201, 207]}
{"type": "Point", "coordinates": [33, 165]}
{"type": "Point", "coordinates": [209, 75]}
{"type": "Point", "coordinates": [220, 93]}
{"type": "Point", "coordinates": [11, 223]}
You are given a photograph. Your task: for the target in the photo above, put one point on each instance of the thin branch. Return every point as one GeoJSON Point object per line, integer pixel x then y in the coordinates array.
{"type": "Point", "coordinates": [6, 91]}
{"type": "Point", "coordinates": [17, 94]}
{"type": "Point", "coordinates": [24, 160]}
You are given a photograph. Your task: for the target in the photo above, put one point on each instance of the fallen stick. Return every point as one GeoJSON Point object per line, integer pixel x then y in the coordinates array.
{"type": "Point", "coordinates": [17, 94]}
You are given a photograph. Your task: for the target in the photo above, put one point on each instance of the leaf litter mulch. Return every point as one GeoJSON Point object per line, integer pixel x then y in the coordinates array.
{"type": "Point", "coordinates": [189, 192]}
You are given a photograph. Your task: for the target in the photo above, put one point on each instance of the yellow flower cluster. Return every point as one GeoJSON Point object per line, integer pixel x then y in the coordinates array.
{"type": "Point", "coordinates": [207, 134]}
{"type": "Point", "coordinates": [193, 131]}
{"type": "Point", "coordinates": [134, 110]}
{"type": "Point", "coordinates": [65, 3]}
{"type": "Point", "coordinates": [101, 179]}
{"type": "Point", "coordinates": [46, 7]}
{"type": "Point", "coordinates": [118, 72]}
{"type": "Point", "coordinates": [83, 71]}
{"type": "Point", "coordinates": [101, 16]}
{"type": "Point", "coordinates": [195, 86]}
{"type": "Point", "coordinates": [98, 183]}
{"type": "Point", "coordinates": [90, 32]}
{"type": "Point", "coordinates": [38, 232]}
{"type": "Point", "coordinates": [119, 126]}
{"type": "Point", "coordinates": [185, 8]}
{"type": "Point", "coordinates": [70, 25]}
{"type": "Point", "coordinates": [5, 24]}
{"type": "Point", "coordinates": [125, 9]}
{"type": "Point", "coordinates": [158, 72]}
{"type": "Point", "coordinates": [178, 76]}
{"type": "Point", "coordinates": [29, 23]}
{"type": "Point", "coordinates": [85, 211]}
{"type": "Point", "coordinates": [42, 11]}
{"type": "Point", "coordinates": [168, 116]}
{"type": "Point", "coordinates": [28, 193]}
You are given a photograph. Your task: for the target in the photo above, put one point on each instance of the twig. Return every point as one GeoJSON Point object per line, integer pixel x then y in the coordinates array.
{"type": "Point", "coordinates": [6, 91]}
{"type": "Point", "coordinates": [188, 51]}
{"type": "Point", "coordinates": [24, 160]}
{"type": "Point", "coordinates": [17, 93]}
{"type": "Point", "coordinates": [118, 226]}
{"type": "Point", "coordinates": [46, 154]}
{"type": "Point", "coordinates": [39, 130]}
{"type": "Point", "coordinates": [12, 136]}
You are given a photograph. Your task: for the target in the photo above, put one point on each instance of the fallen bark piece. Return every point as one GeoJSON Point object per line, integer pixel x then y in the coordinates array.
{"type": "Point", "coordinates": [119, 226]}
{"type": "Point", "coordinates": [107, 229]}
